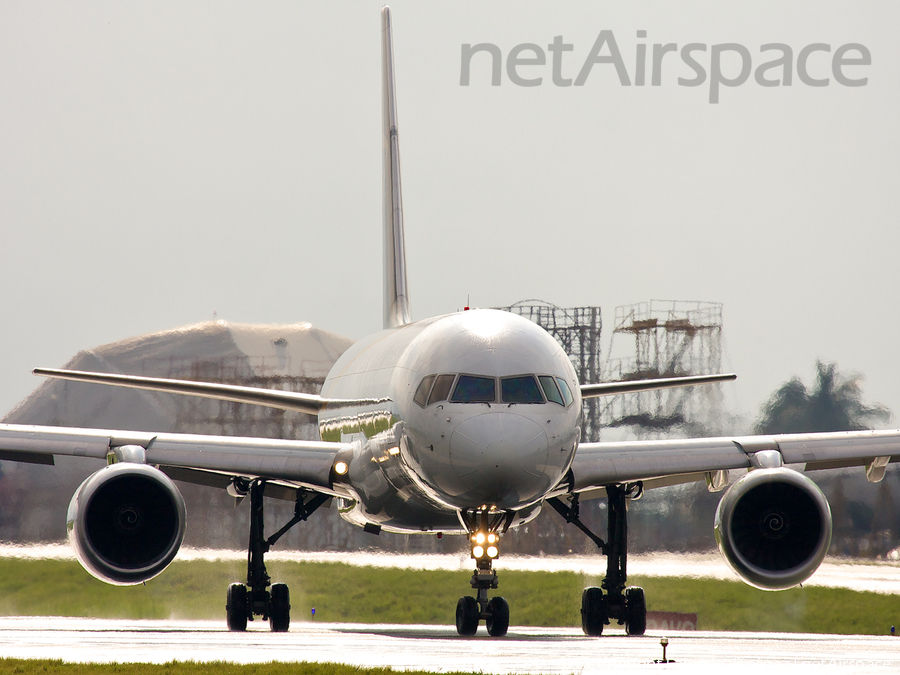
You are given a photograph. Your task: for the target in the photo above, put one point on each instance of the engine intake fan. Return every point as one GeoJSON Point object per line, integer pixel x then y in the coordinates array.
{"type": "Point", "coordinates": [126, 523]}
{"type": "Point", "coordinates": [773, 528]}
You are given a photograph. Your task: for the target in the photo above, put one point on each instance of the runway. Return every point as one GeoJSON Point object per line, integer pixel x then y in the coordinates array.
{"type": "Point", "coordinates": [439, 649]}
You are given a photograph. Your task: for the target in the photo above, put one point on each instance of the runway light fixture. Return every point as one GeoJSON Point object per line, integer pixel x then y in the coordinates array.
{"type": "Point", "coordinates": [665, 643]}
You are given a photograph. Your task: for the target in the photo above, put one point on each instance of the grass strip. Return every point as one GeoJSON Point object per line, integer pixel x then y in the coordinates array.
{"type": "Point", "coordinates": [346, 593]}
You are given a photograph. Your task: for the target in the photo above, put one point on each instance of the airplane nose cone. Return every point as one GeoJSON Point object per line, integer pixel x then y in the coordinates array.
{"type": "Point", "coordinates": [500, 459]}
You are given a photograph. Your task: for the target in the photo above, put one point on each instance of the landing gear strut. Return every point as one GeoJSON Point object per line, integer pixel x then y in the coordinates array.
{"type": "Point", "coordinates": [484, 536]}
{"type": "Point", "coordinates": [255, 599]}
{"type": "Point", "coordinates": [625, 605]}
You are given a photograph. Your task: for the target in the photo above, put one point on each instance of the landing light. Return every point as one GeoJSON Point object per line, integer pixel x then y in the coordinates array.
{"type": "Point", "coordinates": [341, 468]}
{"type": "Point", "coordinates": [485, 545]}
{"type": "Point", "coordinates": [394, 451]}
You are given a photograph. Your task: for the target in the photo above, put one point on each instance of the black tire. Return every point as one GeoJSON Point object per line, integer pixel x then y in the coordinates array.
{"type": "Point", "coordinates": [635, 611]}
{"type": "Point", "coordinates": [467, 616]}
{"type": "Point", "coordinates": [497, 621]}
{"type": "Point", "coordinates": [593, 611]}
{"type": "Point", "coordinates": [279, 608]}
{"type": "Point", "coordinates": [236, 608]}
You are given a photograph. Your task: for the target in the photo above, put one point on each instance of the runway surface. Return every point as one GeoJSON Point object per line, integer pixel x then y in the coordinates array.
{"type": "Point", "coordinates": [439, 649]}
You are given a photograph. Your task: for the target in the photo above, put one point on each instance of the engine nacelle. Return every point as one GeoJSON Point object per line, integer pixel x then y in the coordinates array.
{"type": "Point", "coordinates": [773, 528]}
{"type": "Point", "coordinates": [126, 523]}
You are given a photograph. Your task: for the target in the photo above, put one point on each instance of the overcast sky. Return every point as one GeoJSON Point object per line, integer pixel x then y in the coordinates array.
{"type": "Point", "coordinates": [163, 161]}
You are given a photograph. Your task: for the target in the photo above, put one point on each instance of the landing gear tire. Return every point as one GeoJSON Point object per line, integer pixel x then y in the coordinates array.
{"type": "Point", "coordinates": [280, 608]}
{"type": "Point", "coordinates": [593, 611]}
{"type": "Point", "coordinates": [635, 611]}
{"type": "Point", "coordinates": [467, 616]}
{"type": "Point", "coordinates": [236, 609]}
{"type": "Point", "coordinates": [497, 620]}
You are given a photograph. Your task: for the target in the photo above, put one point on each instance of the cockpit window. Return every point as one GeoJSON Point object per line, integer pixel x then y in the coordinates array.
{"type": "Point", "coordinates": [566, 392]}
{"type": "Point", "coordinates": [472, 389]}
{"type": "Point", "coordinates": [441, 388]}
{"type": "Point", "coordinates": [422, 392]}
{"type": "Point", "coordinates": [550, 389]}
{"type": "Point", "coordinates": [475, 389]}
{"type": "Point", "coordinates": [521, 389]}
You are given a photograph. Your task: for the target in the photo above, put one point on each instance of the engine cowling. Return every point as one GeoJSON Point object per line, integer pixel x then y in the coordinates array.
{"type": "Point", "coordinates": [773, 527]}
{"type": "Point", "coordinates": [126, 523]}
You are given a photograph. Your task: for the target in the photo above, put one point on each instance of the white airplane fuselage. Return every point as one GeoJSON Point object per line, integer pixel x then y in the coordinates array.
{"type": "Point", "coordinates": [430, 452]}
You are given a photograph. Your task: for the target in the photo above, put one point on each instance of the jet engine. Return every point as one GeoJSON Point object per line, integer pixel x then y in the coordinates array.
{"type": "Point", "coordinates": [126, 523]}
{"type": "Point", "coordinates": [773, 527]}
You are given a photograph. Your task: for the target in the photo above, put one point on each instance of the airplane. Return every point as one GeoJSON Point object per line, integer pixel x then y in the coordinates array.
{"type": "Point", "coordinates": [467, 424]}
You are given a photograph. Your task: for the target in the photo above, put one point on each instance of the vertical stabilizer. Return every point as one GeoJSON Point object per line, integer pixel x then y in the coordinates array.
{"type": "Point", "coordinates": [396, 296]}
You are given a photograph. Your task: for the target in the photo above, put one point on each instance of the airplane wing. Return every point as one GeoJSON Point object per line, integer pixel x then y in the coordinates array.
{"type": "Point", "coordinates": [631, 386]}
{"type": "Point", "coordinates": [190, 457]}
{"type": "Point", "coordinates": [669, 462]}
{"type": "Point", "coordinates": [310, 404]}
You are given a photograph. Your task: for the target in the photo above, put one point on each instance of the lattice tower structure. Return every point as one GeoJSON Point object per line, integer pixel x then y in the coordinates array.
{"type": "Point", "coordinates": [669, 338]}
{"type": "Point", "coordinates": [578, 330]}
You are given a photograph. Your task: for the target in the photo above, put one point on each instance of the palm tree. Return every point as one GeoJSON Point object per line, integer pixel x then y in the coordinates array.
{"type": "Point", "coordinates": [834, 404]}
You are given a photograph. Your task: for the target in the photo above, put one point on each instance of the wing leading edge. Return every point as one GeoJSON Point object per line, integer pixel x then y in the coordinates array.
{"type": "Point", "coordinates": [303, 463]}
{"type": "Point", "coordinates": [310, 404]}
{"type": "Point", "coordinates": [667, 462]}
{"type": "Point", "coordinates": [632, 386]}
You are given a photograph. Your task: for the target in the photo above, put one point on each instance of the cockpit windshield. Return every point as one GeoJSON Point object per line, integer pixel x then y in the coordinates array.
{"type": "Point", "coordinates": [551, 390]}
{"type": "Point", "coordinates": [520, 389]}
{"type": "Point", "coordinates": [474, 389]}
{"type": "Point", "coordinates": [441, 388]}
{"type": "Point", "coordinates": [566, 392]}
{"type": "Point", "coordinates": [481, 389]}
{"type": "Point", "coordinates": [423, 389]}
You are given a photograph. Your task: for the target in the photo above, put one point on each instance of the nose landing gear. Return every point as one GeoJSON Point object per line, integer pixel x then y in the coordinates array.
{"type": "Point", "coordinates": [485, 540]}
{"type": "Point", "coordinates": [495, 612]}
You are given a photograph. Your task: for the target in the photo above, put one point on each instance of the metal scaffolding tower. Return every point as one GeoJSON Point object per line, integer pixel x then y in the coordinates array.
{"type": "Point", "coordinates": [670, 338]}
{"type": "Point", "coordinates": [577, 329]}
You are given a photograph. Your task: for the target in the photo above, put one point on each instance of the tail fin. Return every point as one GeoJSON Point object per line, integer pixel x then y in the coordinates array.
{"type": "Point", "coordinates": [396, 295]}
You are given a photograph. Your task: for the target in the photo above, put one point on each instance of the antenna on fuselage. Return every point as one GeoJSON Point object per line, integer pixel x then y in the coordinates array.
{"type": "Point", "coordinates": [396, 295]}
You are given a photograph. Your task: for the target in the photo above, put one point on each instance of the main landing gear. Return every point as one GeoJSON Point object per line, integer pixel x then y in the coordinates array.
{"type": "Point", "coordinates": [484, 528]}
{"type": "Point", "coordinates": [625, 605]}
{"type": "Point", "coordinates": [245, 602]}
